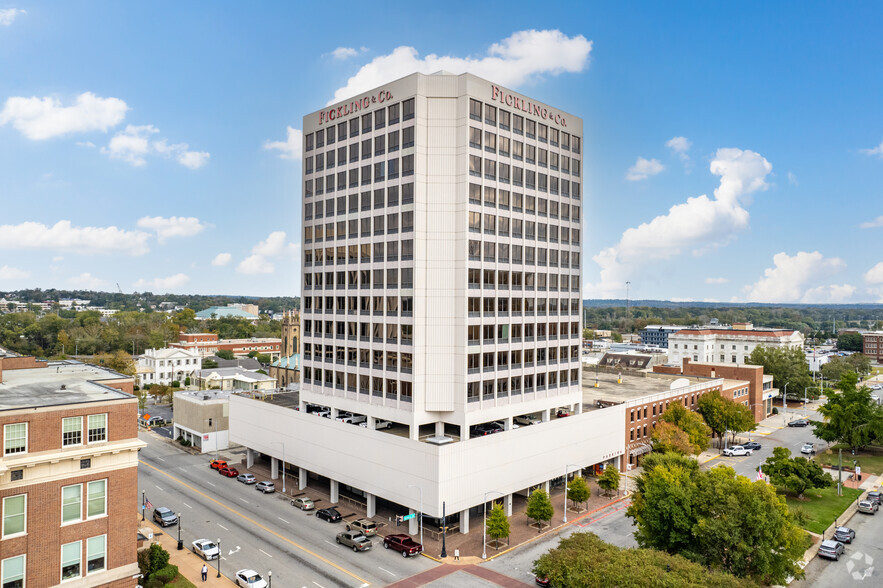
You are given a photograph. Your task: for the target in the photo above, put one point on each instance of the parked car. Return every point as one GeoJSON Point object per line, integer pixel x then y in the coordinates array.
{"type": "Point", "coordinates": [229, 472]}
{"type": "Point", "coordinates": [206, 549]}
{"type": "Point", "coordinates": [154, 421]}
{"type": "Point", "coordinates": [752, 445]}
{"type": "Point", "coordinates": [250, 579]}
{"type": "Point", "coordinates": [329, 514]}
{"type": "Point", "coordinates": [247, 478]}
{"type": "Point", "coordinates": [799, 423]}
{"type": "Point", "coordinates": [217, 464]}
{"type": "Point", "coordinates": [875, 497]}
{"type": "Point", "coordinates": [527, 419]}
{"type": "Point", "coordinates": [736, 450]}
{"type": "Point", "coordinates": [378, 424]}
{"type": "Point", "coordinates": [844, 534]}
{"type": "Point", "coordinates": [807, 448]}
{"type": "Point", "coordinates": [542, 581]}
{"type": "Point", "coordinates": [486, 429]}
{"type": "Point", "coordinates": [503, 425]}
{"type": "Point", "coordinates": [831, 549]}
{"type": "Point", "coordinates": [868, 507]}
{"type": "Point", "coordinates": [323, 412]}
{"type": "Point", "coordinates": [366, 526]}
{"type": "Point", "coordinates": [266, 487]}
{"type": "Point", "coordinates": [303, 503]}
{"type": "Point", "coordinates": [164, 516]}
{"type": "Point", "coordinates": [352, 419]}
{"type": "Point", "coordinates": [403, 544]}
{"type": "Point", "coordinates": [354, 539]}
{"type": "Point", "coordinates": [562, 412]}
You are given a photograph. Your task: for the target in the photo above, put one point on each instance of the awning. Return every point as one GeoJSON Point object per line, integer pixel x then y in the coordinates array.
{"type": "Point", "coordinates": [641, 450]}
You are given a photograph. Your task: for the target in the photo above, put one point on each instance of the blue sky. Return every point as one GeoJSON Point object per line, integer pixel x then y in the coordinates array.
{"type": "Point", "coordinates": [733, 152]}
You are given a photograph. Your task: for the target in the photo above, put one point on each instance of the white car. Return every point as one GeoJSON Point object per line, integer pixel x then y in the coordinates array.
{"type": "Point", "coordinates": [250, 579]}
{"type": "Point", "coordinates": [502, 424]}
{"type": "Point", "coordinates": [378, 424]}
{"type": "Point", "coordinates": [352, 419]}
{"type": "Point", "coordinates": [206, 548]}
{"type": "Point", "coordinates": [736, 450]}
{"type": "Point", "coordinates": [807, 448]}
{"type": "Point", "coordinates": [526, 419]}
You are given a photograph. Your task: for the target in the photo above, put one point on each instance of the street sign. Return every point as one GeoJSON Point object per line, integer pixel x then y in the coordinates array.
{"type": "Point", "coordinates": [408, 517]}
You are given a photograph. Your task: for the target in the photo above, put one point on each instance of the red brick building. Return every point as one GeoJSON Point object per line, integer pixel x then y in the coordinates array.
{"type": "Point", "coordinates": [209, 344]}
{"type": "Point", "coordinates": [872, 345]}
{"type": "Point", "coordinates": [68, 475]}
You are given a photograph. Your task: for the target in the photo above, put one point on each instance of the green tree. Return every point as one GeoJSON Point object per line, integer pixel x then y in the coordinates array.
{"type": "Point", "coordinates": [158, 558]}
{"type": "Point", "coordinates": [835, 369]}
{"type": "Point", "coordinates": [691, 423]}
{"type": "Point", "coordinates": [722, 414]}
{"type": "Point", "coordinates": [851, 416]}
{"type": "Point", "coordinates": [797, 474]}
{"type": "Point", "coordinates": [616, 337]}
{"type": "Point", "coordinates": [263, 358]}
{"type": "Point", "coordinates": [224, 354]}
{"type": "Point", "coordinates": [668, 437]}
{"type": "Point", "coordinates": [577, 490]}
{"type": "Point", "coordinates": [588, 334]}
{"type": "Point", "coordinates": [786, 365]}
{"type": "Point", "coordinates": [539, 508]}
{"type": "Point", "coordinates": [583, 560]}
{"type": "Point", "coordinates": [860, 363]}
{"type": "Point", "coordinates": [209, 364]}
{"type": "Point", "coordinates": [497, 524]}
{"type": "Point", "coordinates": [609, 480]}
{"type": "Point", "coordinates": [849, 341]}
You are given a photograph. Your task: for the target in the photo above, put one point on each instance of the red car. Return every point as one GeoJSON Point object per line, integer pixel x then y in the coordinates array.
{"type": "Point", "coordinates": [402, 543]}
{"type": "Point", "coordinates": [562, 413]}
{"type": "Point", "coordinates": [228, 471]}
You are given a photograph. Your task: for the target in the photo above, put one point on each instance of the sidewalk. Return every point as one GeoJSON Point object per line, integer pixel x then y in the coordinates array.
{"type": "Point", "coordinates": [189, 564]}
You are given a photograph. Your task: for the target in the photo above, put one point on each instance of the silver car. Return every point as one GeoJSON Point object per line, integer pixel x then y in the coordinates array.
{"type": "Point", "coordinates": [831, 549]}
{"type": "Point", "coordinates": [868, 507]}
{"type": "Point", "coordinates": [266, 487]}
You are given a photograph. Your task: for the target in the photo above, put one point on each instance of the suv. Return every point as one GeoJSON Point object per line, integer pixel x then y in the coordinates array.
{"type": "Point", "coordinates": [868, 507]}
{"type": "Point", "coordinates": [807, 448]}
{"type": "Point", "coordinates": [526, 419]}
{"type": "Point", "coordinates": [831, 549]}
{"type": "Point", "coordinates": [844, 534]}
{"type": "Point", "coordinates": [164, 516]}
{"type": "Point", "coordinates": [217, 464]}
{"type": "Point", "coordinates": [352, 419]}
{"type": "Point", "coordinates": [874, 496]}
{"type": "Point", "coordinates": [378, 424]}
{"type": "Point", "coordinates": [799, 423]}
{"type": "Point", "coordinates": [736, 450]}
{"type": "Point", "coordinates": [403, 544]}
{"type": "Point", "coordinates": [354, 539]}
{"type": "Point", "coordinates": [486, 429]}
{"type": "Point", "coordinates": [366, 526]}
{"type": "Point", "coordinates": [266, 487]}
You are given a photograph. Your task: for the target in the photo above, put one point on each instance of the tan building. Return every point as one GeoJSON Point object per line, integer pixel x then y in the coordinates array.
{"type": "Point", "coordinates": [286, 369]}
{"type": "Point", "coordinates": [234, 378]}
{"type": "Point", "coordinates": [202, 419]}
{"type": "Point", "coordinates": [208, 344]}
{"type": "Point", "coordinates": [68, 475]}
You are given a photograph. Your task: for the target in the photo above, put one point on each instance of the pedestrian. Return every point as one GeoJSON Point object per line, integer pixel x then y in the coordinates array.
{"type": "Point", "coordinates": [457, 554]}
{"type": "Point", "coordinates": [204, 572]}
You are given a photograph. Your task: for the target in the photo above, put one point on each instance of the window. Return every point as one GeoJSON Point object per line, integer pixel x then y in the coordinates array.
{"type": "Point", "coordinates": [14, 515]}
{"type": "Point", "coordinates": [475, 137]}
{"type": "Point", "coordinates": [407, 137]}
{"type": "Point", "coordinates": [408, 109]}
{"type": "Point", "coordinates": [71, 503]}
{"type": "Point", "coordinates": [474, 109]}
{"type": "Point", "coordinates": [407, 165]}
{"type": "Point", "coordinates": [72, 431]}
{"type": "Point", "coordinates": [15, 438]}
{"type": "Point", "coordinates": [95, 549]}
{"type": "Point", "coordinates": [12, 574]}
{"type": "Point", "coordinates": [70, 560]}
{"type": "Point", "coordinates": [97, 428]}
{"type": "Point", "coordinates": [393, 114]}
{"type": "Point", "coordinates": [96, 498]}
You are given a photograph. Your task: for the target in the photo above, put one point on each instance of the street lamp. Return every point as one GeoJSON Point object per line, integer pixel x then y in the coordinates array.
{"type": "Point", "coordinates": [421, 509]}
{"type": "Point", "coordinates": [785, 404]}
{"type": "Point", "coordinates": [219, 559]}
{"type": "Point", "coordinates": [180, 542]}
{"type": "Point", "coordinates": [216, 435]}
{"type": "Point", "coordinates": [566, 467]}
{"type": "Point", "coordinates": [484, 526]}
{"type": "Point", "coordinates": [270, 576]}
{"type": "Point", "coordinates": [282, 443]}
{"type": "Point", "coordinates": [143, 505]}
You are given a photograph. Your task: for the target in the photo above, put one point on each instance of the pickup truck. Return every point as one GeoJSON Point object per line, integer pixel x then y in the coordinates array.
{"type": "Point", "coordinates": [736, 450]}
{"type": "Point", "coordinates": [403, 544]}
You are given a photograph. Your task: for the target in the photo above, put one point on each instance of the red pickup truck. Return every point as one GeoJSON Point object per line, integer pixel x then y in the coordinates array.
{"type": "Point", "coordinates": [402, 543]}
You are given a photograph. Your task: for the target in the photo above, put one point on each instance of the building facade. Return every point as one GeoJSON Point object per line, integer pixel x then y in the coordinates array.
{"type": "Point", "coordinates": [68, 475]}
{"type": "Point", "coordinates": [658, 334]}
{"type": "Point", "coordinates": [727, 345]}
{"type": "Point", "coordinates": [164, 366]}
{"type": "Point", "coordinates": [208, 344]}
{"type": "Point", "coordinates": [872, 345]}
{"type": "Point", "coordinates": [202, 419]}
{"type": "Point", "coordinates": [286, 369]}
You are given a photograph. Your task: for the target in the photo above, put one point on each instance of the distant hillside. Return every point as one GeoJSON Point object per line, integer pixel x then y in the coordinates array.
{"type": "Point", "coordinates": [614, 302]}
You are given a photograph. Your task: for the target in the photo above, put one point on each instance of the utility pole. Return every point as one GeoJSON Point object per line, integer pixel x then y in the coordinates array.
{"type": "Point", "coordinates": [840, 472]}
{"type": "Point", "coordinates": [627, 306]}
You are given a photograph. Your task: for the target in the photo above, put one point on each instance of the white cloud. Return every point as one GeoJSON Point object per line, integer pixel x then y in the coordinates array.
{"type": "Point", "coordinates": [291, 147]}
{"type": "Point", "coordinates": [44, 118]}
{"type": "Point", "coordinates": [274, 246]}
{"type": "Point", "coordinates": [716, 280]}
{"type": "Point", "coordinates": [174, 226]}
{"type": "Point", "coordinates": [513, 61]}
{"type": "Point", "coordinates": [643, 169]}
{"type": "Point", "coordinates": [700, 223]}
{"type": "Point", "coordinates": [89, 144]}
{"type": "Point", "coordinates": [792, 179]}
{"type": "Point", "coordinates": [832, 294]}
{"type": "Point", "coordinates": [256, 264]}
{"type": "Point", "coordinates": [680, 145]}
{"type": "Point", "coordinates": [877, 222]}
{"type": "Point", "coordinates": [8, 15]}
{"type": "Point", "coordinates": [878, 150]}
{"type": "Point", "coordinates": [133, 145]}
{"type": "Point", "coordinates": [12, 273]}
{"type": "Point", "coordinates": [222, 259]}
{"type": "Point", "coordinates": [875, 274]}
{"type": "Point", "coordinates": [788, 280]}
{"type": "Point", "coordinates": [63, 236]}
{"type": "Point", "coordinates": [86, 281]}
{"type": "Point", "coordinates": [344, 53]}
{"type": "Point", "coordinates": [174, 282]}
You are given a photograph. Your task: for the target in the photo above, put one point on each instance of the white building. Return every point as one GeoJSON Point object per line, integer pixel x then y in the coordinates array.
{"type": "Point", "coordinates": [163, 366]}
{"type": "Point", "coordinates": [234, 378]}
{"type": "Point", "coordinates": [441, 290]}
{"type": "Point", "coordinates": [727, 345]}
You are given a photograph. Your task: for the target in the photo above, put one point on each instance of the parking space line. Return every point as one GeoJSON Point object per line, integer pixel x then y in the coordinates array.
{"type": "Point", "coordinates": [159, 458]}
{"type": "Point", "coordinates": [387, 571]}
{"type": "Point", "coordinates": [283, 520]}
{"type": "Point", "coordinates": [210, 484]}
{"type": "Point", "coordinates": [187, 505]}
{"type": "Point", "coordinates": [243, 500]}
{"type": "Point", "coordinates": [223, 527]}
{"type": "Point", "coordinates": [264, 552]}
{"type": "Point", "coordinates": [319, 585]}
{"type": "Point", "coordinates": [158, 488]}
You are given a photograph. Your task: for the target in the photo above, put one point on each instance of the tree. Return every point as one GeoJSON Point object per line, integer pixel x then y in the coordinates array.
{"type": "Point", "coordinates": [786, 365]}
{"type": "Point", "coordinates": [577, 490]}
{"type": "Point", "coordinates": [539, 508]}
{"type": "Point", "coordinates": [722, 414]}
{"type": "Point", "coordinates": [717, 519]}
{"type": "Point", "coordinates": [225, 354]}
{"type": "Point", "coordinates": [851, 416]}
{"type": "Point", "coordinates": [849, 341]}
{"type": "Point", "coordinates": [588, 334]}
{"type": "Point", "coordinates": [609, 480]}
{"type": "Point", "coordinates": [836, 367]}
{"type": "Point", "coordinates": [739, 418]}
{"type": "Point", "coordinates": [497, 524]}
{"type": "Point", "coordinates": [616, 337]}
{"type": "Point", "coordinates": [583, 560]}
{"type": "Point", "coordinates": [691, 423]}
{"type": "Point", "coordinates": [263, 358]}
{"type": "Point", "coordinates": [209, 364]}
{"type": "Point", "coordinates": [797, 474]}
{"type": "Point", "coordinates": [119, 361]}
{"type": "Point", "coordinates": [187, 381]}
{"type": "Point", "coordinates": [668, 437]}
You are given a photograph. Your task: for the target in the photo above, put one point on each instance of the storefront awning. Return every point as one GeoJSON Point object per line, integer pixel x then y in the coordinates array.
{"type": "Point", "coordinates": [640, 450]}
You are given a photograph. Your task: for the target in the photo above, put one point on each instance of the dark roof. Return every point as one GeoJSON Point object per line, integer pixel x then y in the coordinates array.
{"type": "Point", "coordinates": [248, 363]}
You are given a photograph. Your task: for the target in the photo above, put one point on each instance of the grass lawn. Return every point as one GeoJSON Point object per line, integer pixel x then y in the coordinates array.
{"type": "Point", "coordinates": [870, 460]}
{"type": "Point", "coordinates": [823, 506]}
{"type": "Point", "coordinates": [181, 582]}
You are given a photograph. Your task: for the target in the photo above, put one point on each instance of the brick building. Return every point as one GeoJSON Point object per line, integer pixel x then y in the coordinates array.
{"type": "Point", "coordinates": [68, 475]}
{"type": "Point", "coordinates": [872, 345]}
{"type": "Point", "coordinates": [208, 344]}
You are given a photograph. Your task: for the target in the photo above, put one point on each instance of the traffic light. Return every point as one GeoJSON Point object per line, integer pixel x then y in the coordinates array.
{"type": "Point", "coordinates": [398, 520]}
{"type": "Point", "coordinates": [210, 422]}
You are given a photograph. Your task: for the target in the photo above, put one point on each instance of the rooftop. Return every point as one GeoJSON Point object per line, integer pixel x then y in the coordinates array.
{"type": "Point", "coordinates": [632, 387]}
{"type": "Point", "coordinates": [61, 382]}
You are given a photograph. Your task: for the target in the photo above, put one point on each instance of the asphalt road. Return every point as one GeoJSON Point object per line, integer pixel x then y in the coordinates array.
{"type": "Point", "coordinates": [260, 531]}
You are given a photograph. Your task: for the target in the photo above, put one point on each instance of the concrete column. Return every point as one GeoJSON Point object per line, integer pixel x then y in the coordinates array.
{"type": "Point", "coordinates": [301, 478]}
{"type": "Point", "coordinates": [413, 524]}
{"type": "Point", "coordinates": [440, 429]}
{"type": "Point", "coordinates": [249, 458]}
{"type": "Point", "coordinates": [507, 423]}
{"type": "Point", "coordinates": [546, 415]}
{"type": "Point", "coordinates": [413, 432]}
{"type": "Point", "coordinates": [371, 422]}
{"type": "Point", "coordinates": [371, 505]}
{"type": "Point", "coordinates": [274, 468]}
{"type": "Point", "coordinates": [334, 413]}
{"type": "Point", "coordinates": [507, 504]}
{"type": "Point", "coordinates": [335, 494]}
{"type": "Point", "coordinates": [546, 486]}
{"type": "Point", "coordinates": [464, 521]}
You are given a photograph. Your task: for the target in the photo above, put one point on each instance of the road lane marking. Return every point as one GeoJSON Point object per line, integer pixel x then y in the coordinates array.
{"type": "Point", "coordinates": [223, 527]}
{"type": "Point", "coordinates": [243, 500]}
{"type": "Point", "coordinates": [387, 571]}
{"type": "Point", "coordinates": [264, 552]}
{"type": "Point", "coordinates": [283, 520]}
{"type": "Point", "coordinates": [159, 458]}
{"type": "Point", "coordinates": [257, 524]}
{"type": "Point", "coordinates": [210, 484]}
{"type": "Point", "coordinates": [329, 542]}
{"type": "Point", "coordinates": [187, 505]}
{"type": "Point", "coordinates": [158, 488]}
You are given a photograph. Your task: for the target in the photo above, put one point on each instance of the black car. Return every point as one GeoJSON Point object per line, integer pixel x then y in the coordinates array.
{"type": "Point", "coordinates": [752, 445]}
{"type": "Point", "coordinates": [329, 514]}
{"type": "Point", "coordinates": [799, 423]}
{"type": "Point", "coordinates": [875, 497]}
{"type": "Point", "coordinates": [486, 429]}
{"type": "Point", "coordinates": [164, 516]}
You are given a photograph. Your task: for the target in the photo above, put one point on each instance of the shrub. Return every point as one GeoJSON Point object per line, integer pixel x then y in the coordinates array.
{"type": "Point", "coordinates": [176, 384]}
{"type": "Point", "coordinates": [166, 574]}
{"type": "Point", "coordinates": [158, 558]}
{"type": "Point", "coordinates": [154, 583]}
{"type": "Point", "coordinates": [775, 410]}
{"type": "Point", "coordinates": [187, 381]}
